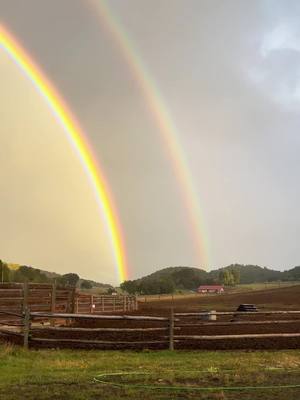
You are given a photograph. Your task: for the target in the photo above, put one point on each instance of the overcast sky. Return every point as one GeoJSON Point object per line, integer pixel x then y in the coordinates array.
{"type": "Point", "coordinates": [229, 72]}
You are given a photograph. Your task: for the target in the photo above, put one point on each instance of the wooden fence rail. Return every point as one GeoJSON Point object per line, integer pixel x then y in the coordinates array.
{"type": "Point", "coordinates": [16, 297]}
{"type": "Point", "coordinates": [144, 331]}
{"type": "Point", "coordinates": [253, 313]}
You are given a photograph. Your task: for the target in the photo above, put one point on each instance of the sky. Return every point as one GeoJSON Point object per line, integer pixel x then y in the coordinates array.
{"type": "Point", "coordinates": [229, 75]}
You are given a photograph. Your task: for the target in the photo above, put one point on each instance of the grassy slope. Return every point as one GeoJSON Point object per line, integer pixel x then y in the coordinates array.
{"type": "Point", "coordinates": [52, 374]}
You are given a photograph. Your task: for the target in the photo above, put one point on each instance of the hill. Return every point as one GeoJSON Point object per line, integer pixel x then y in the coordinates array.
{"type": "Point", "coordinates": [20, 273]}
{"type": "Point", "coordinates": [250, 273]}
{"type": "Point", "coordinates": [170, 279]}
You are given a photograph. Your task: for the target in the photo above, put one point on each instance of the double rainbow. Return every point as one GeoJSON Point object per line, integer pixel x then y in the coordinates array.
{"type": "Point", "coordinates": [77, 138]}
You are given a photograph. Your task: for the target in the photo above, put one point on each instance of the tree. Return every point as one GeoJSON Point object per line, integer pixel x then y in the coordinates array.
{"type": "Point", "coordinates": [165, 286]}
{"type": "Point", "coordinates": [131, 287]}
{"type": "Point", "coordinates": [70, 279]}
{"type": "Point", "coordinates": [226, 277]}
{"type": "Point", "coordinates": [222, 276]}
{"type": "Point", "coordinates": [4, 272]}
{"type": "Point", "coordinates": [86, 285]}
{"type": "Point", "coordinates": [29, 274]}
{"type": "Point", "coordinates": [186, 279]}
{"type": "Point", "coordinates": [110, 291]}
{"type": "Point", "coordinates": [236, 276]}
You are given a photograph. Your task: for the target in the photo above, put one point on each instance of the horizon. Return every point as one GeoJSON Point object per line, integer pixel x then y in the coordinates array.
{"type": "Point", "coordinates": [270, 268]}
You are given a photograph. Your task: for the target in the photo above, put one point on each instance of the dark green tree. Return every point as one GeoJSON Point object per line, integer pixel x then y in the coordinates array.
{"type": "Point", "coordinates": [29, 274]}
{"type": "Point", "coordinates": [86, 285]}
{"type": "Point", "coordinates": [131, 287]}
{"type": "Point", "coordinates": [70, 279]}
{"type": "Point", "coordinates": [4, 272]}
{"type": "Point", "coordinates": [236, 276]}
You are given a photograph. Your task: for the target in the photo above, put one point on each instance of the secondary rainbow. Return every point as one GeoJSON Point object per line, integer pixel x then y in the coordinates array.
{"type": "Point", "coordinates": [166, 124]}
{"type": "Point", "coordinates": [78, 140]}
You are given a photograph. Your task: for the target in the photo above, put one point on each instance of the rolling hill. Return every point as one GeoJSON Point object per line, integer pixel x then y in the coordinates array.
{"type": "Point", "coordinates": [172, 279]}
{"type": "Point", "coordinates": [10, 272]}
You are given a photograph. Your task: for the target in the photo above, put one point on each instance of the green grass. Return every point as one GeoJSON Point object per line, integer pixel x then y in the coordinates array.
{"type": "Point", "coordinates": [263, 286]}
{"type": "Point", "coordinates": [67, 374]}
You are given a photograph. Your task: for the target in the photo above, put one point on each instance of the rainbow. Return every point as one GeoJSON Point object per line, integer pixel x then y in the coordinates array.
{"type": "Point", "coordinates": [78, 140]}
{"type": "Point", "coordinates": [164, 121]}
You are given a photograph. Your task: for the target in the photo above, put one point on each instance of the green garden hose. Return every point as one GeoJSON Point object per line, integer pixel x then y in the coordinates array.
{"type": "Point", "coordinates": [101, 379]}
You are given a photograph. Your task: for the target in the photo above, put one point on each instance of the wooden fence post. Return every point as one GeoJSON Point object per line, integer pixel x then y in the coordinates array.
{"type": "Point", "coordinates": [171, 330]}
{"type": "Point", "coordinates": [53, 297]}
{"type": "Point", "coordinates": [92, 304]}
{"type": "Point", "coordinates": [26, 328]}
{"type": "Point", "coordinates": [53, 302]}
{"type": "Point", "coordinates": [69, 300]}
{"type": "Point", "coordinates": [73, 300]}
{"type": "Point", "coordinates": [102, 303]}
{"type": "Point", "coordinates": [124, 303]}
{"type": "Point", "coordinates": [25, 295]}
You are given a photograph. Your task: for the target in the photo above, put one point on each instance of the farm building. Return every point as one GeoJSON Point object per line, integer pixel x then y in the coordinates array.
{"type": "Point", "coordinates": [210, 289]}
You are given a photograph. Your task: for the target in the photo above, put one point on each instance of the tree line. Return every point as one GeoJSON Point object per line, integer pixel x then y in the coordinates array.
{"type": "Point", "coordinates": [180, 278]}
{"type": "Point", "coordinates": [29, 274]}
{"type": "Point", "coordinates": [171, 279]}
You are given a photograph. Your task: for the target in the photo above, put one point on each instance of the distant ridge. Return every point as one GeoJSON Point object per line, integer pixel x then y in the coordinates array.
{"type": "Point", "coordinates": [172, 279]}
{"type": "Point", "coordinates": [165, 280]}
{"type": "Point", "coordinates": [13, 272]}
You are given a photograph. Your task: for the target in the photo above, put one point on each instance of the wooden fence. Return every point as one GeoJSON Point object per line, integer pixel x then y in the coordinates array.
{"type": "Point", "coordinates": [177, 331]}
{"type": "Point", "coordinates": [88, 303]}
{"type": "Point", "coordinates": [16, 297]}
{"type": "Point", "coordinates": [190, 326]}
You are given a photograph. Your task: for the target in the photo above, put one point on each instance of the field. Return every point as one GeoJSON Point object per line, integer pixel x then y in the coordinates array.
{"type": "Point", "coordinates": [275, 326]}
{"type": "Point", "coordinates": [52, 374]}
{"type": "Point", "coordinates": [283, 297]}
{"type": "Point", "coordinates": [67, 374]}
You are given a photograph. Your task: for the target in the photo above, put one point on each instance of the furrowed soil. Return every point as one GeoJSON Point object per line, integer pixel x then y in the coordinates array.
{"type": "Point", "coordinates": [286, 298]}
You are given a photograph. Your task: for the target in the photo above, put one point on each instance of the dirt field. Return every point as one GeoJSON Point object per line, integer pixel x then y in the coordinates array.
{"type": "Point", "coordinates": [285, 298]}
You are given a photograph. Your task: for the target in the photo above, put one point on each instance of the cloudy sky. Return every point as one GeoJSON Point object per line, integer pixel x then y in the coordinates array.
{"type": "Point", "coordinates": [229, 75]}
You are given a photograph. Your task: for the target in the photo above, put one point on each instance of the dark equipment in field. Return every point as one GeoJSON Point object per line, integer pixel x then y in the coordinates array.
{"type": "Point", "coordinates": [247, 308]}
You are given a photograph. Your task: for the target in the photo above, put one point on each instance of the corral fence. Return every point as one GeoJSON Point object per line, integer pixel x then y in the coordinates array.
{"type": "Point", "coordinates": [212, 329]}
{"type": "Point", "coordinates": [263, 329]}
{"type": "Point", "coordinates": [95, 304]}
{"type": "Point", "coordinates": [39, 297]}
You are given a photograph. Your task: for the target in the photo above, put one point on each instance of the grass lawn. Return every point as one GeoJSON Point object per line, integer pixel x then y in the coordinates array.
{"type": "Point", "coordinates": [67, 374]}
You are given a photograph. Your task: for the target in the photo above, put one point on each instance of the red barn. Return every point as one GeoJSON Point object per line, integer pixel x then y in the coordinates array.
{"type": "Point", "coordinates": [210, 289]}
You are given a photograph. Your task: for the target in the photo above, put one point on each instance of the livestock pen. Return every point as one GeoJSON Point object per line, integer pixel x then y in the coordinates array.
{"type": "Point", "coordinates": [16, 297]}
{"type": "Point", "coordinates": [231, 330]}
